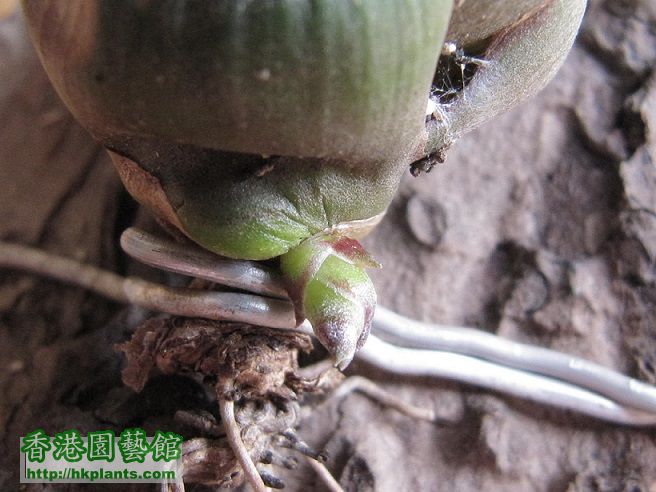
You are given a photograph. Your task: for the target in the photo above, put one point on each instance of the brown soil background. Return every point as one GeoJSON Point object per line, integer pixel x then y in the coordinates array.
{"type": "Point", "coordinates": [540, 227]}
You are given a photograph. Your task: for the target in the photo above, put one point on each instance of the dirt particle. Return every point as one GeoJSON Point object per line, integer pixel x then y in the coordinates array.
{"type": "Point", "coordinates": [264, 74]}
{"type": "Point", "coordinates": [426, 219]}
{"type": "Point", "coordinates": [15, 366]}
{"type": "Point", "coordinates": [531, 294]}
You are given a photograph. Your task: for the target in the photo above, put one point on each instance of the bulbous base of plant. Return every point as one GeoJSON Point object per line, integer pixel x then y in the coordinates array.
{"type": "Point", "coordinates": [253, 207]}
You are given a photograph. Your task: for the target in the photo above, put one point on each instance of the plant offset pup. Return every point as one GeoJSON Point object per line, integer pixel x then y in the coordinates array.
{"type": "Point", "coordinates": [281, 128]}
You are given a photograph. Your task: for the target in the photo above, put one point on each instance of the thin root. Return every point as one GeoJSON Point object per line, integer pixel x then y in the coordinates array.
{"type": "Point", "coordinates": [271, 480]}
{"type": "Point", "coordinates": [227, 410]}
{"type": "Point", "coordinates": [202, 421]}
{"type": "Point", "coordinates": [385, 398]}
{"type": "Point", "coordinates": [325, 475]}
{"type": "Point", "coordinates": [293, 442]}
